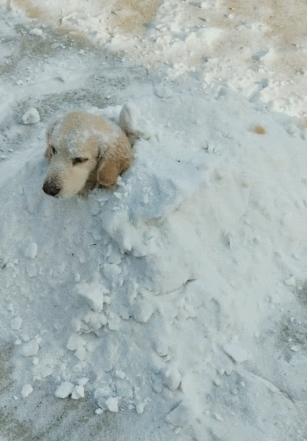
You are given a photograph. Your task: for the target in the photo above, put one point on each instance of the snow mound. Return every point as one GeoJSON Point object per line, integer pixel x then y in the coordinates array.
{"type": "Point", "coordinates": [157, 286]}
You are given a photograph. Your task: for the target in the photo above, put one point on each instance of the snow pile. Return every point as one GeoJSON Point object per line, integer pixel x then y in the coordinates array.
{"type": "Point", "coordinates": [258, 50]}
{"type": "Point", "coordinates": [157, 288]}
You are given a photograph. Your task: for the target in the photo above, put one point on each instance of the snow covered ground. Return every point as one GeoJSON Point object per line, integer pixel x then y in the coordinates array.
{"type": "Point", "coordinates": [255, 47]}
{"type": "Point", "coordinates": [173, 308]}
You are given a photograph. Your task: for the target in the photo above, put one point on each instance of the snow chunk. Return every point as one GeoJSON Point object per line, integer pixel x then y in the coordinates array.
{"type": "Point", "coordinates": [236, 351]}
{"type": "Point", "coordinates": [81, 354]}
{"type": "Point", "coordinates": [114, 322]}
{"type": "Point", "coordinates": [64, 390]}
{"type": "Point", "coordinates": [290, 281]}
{"type": "Point", "coordinates": [140, 407]}
{"type": "Point", "coordinates": [120, 374]}
{"type": "Point", "coordinates": [25, 337]}
{"type": "Point", "coordinates": [75, 342]}
{"type": "Point", "coordinates": [82, 381]}
{"type": "Point", "coordinates": [112, 404]}
{"type": "Point", "coordinates": [31, 250]}
{"type": "Point", "coordinates": [16, 323]}
{"type": "Point", "coordinates": [26, 390]}
{"type": "Point", "coordinates": [111, 270]}
{"type": "Point", "coordinates": [31, 116]}
{"type": "Point", "coordinates": [218, 417]}
{"type": "Point", "coordinates": [30, 348]}
{"type": "Point", "coordinates": [172, 378]}
{"type": "Point", "coordinates": [77, 393]}
{"type": "Point", "coordinates": [181, 416]}
{"type": "Point", "coordinates": [92, 322]}
{"type": "Point", "coordinates": [157, 384]}
{"type": "Point", "coordinates": [92, 293]}
{"type": "Point", "coordinates": [95, 321]}
{"type": "Point", "coordinates": [46, 371]}
{"type": "Point", "coordinates": [36, 31]}
{"type": "Point", "coordinates": [142, 311]}
{"type": "Point", "coordinates": [163, 91]}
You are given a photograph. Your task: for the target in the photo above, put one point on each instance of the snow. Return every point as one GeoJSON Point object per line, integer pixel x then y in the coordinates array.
{"type": "Point", "coordinates": [36, 31]}
{"type": "Point", "coordinates": [64, 390]}
{"type": "Point", "coordinates": [93, 294]}
{"type": "Point", "coordinates": [31, 116]}
{"type": "Point", "coordinates": [112, 404]}
{"type": "Point", "coordinates": [179, 297]}
{"type": "Point", "coordinates": [29, 349]}
{"type": "Point", "coordinates": [255, 49]}
{"type": "Point", "coordinates": [26, 390]}
{"type": "Point", "coordinates": [78, 392]}
{"type": "Point", "coordinates": [16, 323]}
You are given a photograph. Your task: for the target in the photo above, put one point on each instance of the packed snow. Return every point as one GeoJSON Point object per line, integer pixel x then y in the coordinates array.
{"type": "Point", "coordinates": [180, 296]}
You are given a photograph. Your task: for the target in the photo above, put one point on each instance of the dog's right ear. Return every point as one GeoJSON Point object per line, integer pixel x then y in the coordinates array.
{"type": "Point", "coordinates": [133, 124]}
{"type": "Point", "coordinates": [50, 130]}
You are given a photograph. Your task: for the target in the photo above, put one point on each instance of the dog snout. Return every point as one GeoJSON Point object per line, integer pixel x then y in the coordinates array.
{"type": "Point", "coordinates": [51, 188]}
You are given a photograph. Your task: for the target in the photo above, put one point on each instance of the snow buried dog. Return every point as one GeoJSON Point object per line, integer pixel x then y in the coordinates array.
{"type": "Point", "coordinates": [85, 150]}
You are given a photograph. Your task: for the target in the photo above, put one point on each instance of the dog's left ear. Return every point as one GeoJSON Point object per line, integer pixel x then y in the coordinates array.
{"type": "Point", "coordinates": [110, 168]}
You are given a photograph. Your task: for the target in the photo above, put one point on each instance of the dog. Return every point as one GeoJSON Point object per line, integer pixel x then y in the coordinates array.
{"type": "Point", "coordinates": [84, 150]}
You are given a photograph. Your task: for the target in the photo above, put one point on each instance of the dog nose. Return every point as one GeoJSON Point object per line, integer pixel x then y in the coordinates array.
{"type": "Point", "coordinates": [51, 188]}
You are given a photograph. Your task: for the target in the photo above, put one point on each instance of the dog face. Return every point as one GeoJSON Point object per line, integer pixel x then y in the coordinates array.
{"type": "Point", "coordinates": [84, 149]}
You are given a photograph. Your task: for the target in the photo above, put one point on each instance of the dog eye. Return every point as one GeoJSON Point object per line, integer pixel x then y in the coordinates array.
{"type": "Point", "coordinates": [53, 150]}
{"type": "Point", "coordinates": [78, 160]}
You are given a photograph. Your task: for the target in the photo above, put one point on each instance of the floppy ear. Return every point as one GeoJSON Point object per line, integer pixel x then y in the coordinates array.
{"type": "Point", "coordinates": [110, 168]}
{"type": "Point", "coordinates": [113, 161]}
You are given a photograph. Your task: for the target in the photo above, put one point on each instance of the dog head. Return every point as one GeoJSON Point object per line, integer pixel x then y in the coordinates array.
{"type": "Point", "coordinates": [84, 149]}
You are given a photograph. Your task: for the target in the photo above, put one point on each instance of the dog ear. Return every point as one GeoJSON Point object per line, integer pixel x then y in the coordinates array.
{"type": "Point", "coordinates": [113, 160]}
{"type": "Point", "coordinates": [110, 168]}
